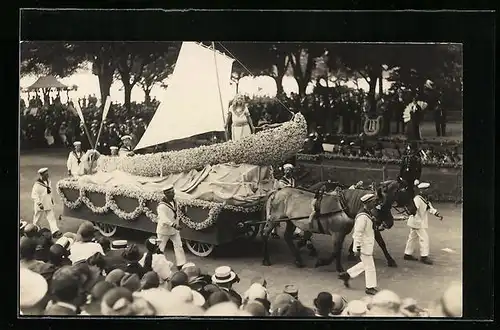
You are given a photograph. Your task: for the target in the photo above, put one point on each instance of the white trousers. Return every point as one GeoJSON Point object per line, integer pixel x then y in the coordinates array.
{"type": "Point", "coordinates": [366, 265]}
{"type": "Point", "coordinates": [49, 215]}
{"type": "Point", "coordinates": [180, 256]}
{"type": "Point", "coordinates": [421, 235]}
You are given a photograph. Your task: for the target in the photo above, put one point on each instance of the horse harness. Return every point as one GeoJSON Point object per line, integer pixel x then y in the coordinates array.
{"type": "Point", "coordinates": [317, 209]}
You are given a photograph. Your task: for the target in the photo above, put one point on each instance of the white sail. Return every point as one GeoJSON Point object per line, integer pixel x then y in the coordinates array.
{"type": "Point", "coordinates": [192, 102]}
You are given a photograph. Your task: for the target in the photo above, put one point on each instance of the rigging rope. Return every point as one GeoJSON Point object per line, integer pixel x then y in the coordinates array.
{"type": "Point", "coordinates": [218, 85]}
{"type": "Point", "coordinates": [251, 74]}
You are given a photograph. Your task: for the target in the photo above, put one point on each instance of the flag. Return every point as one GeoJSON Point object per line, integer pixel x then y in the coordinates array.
{"type": "Point", "coordinates": [107, 105]}
{"type": "Point", "coordinates": [79, 111]}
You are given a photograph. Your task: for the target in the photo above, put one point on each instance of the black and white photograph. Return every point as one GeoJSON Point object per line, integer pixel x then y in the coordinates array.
{"type": "Point", "coordinates": [241, 179]}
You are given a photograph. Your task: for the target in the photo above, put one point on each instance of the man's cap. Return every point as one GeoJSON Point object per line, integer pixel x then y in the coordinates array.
{"type": "Point", "coordinates": [423, 185]}
{"type": "Point", "coordinates": [178, 278]}
{"type": "Point", "coordinates": [168, 188]}
{"type": "Point", "coordinates": [367, 198]}
{"type": "Point", "coordinates": [32, 288]}
{"type": "Point", "coordinates": [113, 148]}
{"type": "Point", "coordinates": [416, 182]}
{"type": "Point", "coordinates": [150, 280]}
{"type": "Point", "coordinates": [324, 300]}
{"type": "Point", "coordinates": [291, 289]}
{"type": "Point", "coordinates": [65, 242]}
{"type": "Point", "coordinates": [115, 276]}
{"type": "Point", "coordinates": [115, 300]}
{"type": "Point", "coordinates": [77, 143]}
{"type": "Point", "coordinates": [100, 288]}
{"type": "Point", "coordinates": [43, 170]}
{"type": "Point", "coordinates": [126, 137]}
{"type": "Point", "coordinates": [287, 167]}
{"type": "Point", "coordinates": [131, 282]}
{"type": "Point", "coordinates": [119, 244]}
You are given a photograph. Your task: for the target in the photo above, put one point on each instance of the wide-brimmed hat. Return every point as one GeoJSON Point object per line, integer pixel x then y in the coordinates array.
{"type": "Point", "coordinates": [223, 274]}
{"type": "Point", "coordinates": [356, 308]}
{"type": "Point", "coordinates": [32, 288]}
{"type": "Point", "coordinates": [185, 294]}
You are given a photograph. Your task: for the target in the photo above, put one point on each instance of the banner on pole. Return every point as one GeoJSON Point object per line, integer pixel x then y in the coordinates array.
{"type": "Point", "coordinates": [107, 105]}
{"type": "Point", "coordinates": [79, 111]}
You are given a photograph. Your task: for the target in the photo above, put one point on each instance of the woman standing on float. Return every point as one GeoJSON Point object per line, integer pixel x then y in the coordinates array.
{"type": "Point", "coordinates": [239, 123]}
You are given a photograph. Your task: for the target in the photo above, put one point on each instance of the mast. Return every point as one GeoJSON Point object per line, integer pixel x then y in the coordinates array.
{"type": "Point", "coordinates": [218, 88]}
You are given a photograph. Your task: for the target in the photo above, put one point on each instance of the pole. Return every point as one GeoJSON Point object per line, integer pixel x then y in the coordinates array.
{"type": "Point", "coordinates": [218, 88]}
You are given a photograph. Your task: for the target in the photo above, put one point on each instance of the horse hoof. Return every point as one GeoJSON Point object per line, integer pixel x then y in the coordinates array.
{"type": "Point", "coordinates": [352, 257]}
{"type": "Point", "coordinates": [319, 263]}
{"type": "Point", "coordinates": [266, 263]}
{"type": "Point", "coordinates": [392, 263]}
{"type": "Point", "coordinates": [313, 253]}
{"type": "Point", "coordinates": [299, 264]}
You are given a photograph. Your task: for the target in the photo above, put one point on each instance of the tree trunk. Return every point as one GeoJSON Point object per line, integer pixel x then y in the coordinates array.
{"type": "Point", "coordinates": [380, 85]}
{"type": "Point", "coordinates": [105, 81]}
{"type": "Point", "coordinates": [147, 96]}
{"type": "Point", "coordinates": [127, 87]}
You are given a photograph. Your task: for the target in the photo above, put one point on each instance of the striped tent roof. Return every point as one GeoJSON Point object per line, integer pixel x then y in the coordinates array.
{"type": "Point", "coordinates": [47, 82]}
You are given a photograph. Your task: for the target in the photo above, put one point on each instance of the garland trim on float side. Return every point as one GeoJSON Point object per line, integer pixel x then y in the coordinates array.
{"type": "Point", "coordinates": [141, 196]}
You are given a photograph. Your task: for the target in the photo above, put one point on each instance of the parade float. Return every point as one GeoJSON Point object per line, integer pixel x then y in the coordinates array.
{"type": "Point", "coordinates": [220, 188]}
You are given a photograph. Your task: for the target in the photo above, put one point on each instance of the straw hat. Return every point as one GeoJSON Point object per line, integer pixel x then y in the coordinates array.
{"type": "Point", "coordinates": [223, 274]}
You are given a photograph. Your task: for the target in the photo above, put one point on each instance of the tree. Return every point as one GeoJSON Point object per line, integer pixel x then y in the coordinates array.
{"type": "Point", "coordinates": [303, 59]}
{"type": "Point", "coordinates": [131, 60]}
{"type": "Point", "coordinates": [48, 58]}
{"type": "Point", "coordinates": [157, 71]}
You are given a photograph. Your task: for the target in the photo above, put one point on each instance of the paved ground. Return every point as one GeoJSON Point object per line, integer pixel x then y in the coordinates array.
{"type": "Point", "coordinates": [424, 283]}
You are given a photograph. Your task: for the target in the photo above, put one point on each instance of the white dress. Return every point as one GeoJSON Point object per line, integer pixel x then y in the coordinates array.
{"type": "Point", "coordinates": [240, 127]}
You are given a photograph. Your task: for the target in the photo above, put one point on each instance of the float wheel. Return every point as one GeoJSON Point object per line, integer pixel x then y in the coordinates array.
{"type": "Point", "coordinates": [105, 229]}
{"type": "Point", "coordinates": [199, 249]}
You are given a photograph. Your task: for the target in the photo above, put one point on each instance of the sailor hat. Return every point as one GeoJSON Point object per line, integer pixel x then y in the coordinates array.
{"type": "Point", "coordinates": [423, 185]}
{"type": "Point", "coordinates": [43, 170]}
{"type": "Point", "coordinates": [112, 125]}
{"type": "Point", "coordinates": [125, 137]}
{"type": "Point", "coordinates": [367, 198]}
{"type": "Point", "coordinates": [287, 167]}
{"type": "Point", "coordinates": [168, 188]}
{"type": "Point", "coordinates": [65, 242]}
{"type": "Point", "coordinates": [77, 143]}
{"type": "Point", "coordinates": [119, 244]}
{"type": "Point", "coordinates": [416, 182]}
{"type": "Point", "coordinates": [113, 148]}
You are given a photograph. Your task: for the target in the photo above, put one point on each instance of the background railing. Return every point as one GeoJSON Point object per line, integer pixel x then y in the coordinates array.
{"type": "Point", "coordinates": [446, 183]}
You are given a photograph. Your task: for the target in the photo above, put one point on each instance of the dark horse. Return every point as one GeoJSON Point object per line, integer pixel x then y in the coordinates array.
{"type": "Point", "coordinates": [403, 198]}
{"type": "Point", "coordinates": [337, 213]}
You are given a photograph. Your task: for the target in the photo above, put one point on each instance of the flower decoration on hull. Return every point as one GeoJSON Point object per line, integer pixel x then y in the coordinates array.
{"type": "Point", "coordinates": [263, 148]}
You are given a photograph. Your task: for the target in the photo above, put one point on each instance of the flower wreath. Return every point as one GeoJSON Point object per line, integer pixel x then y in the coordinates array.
{"type": "Point", "coordinates": [142, 197]}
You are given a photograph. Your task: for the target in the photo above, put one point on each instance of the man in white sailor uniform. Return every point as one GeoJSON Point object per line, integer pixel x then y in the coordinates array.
{"type": "Point", "coordinates": [114, 151]}
{"type": "Point", "coordinates": [168, 226]}
{"type": "Point", "coordinates": [43, 202]}
{"type": "Point", "coordinates": [74, 163]}
{"type": "Point", "coordinates": [126, 148]}
{"type": "Point", "coordinates": [363, 242]}
{"type": "Point", "coordinates": [418, 224]}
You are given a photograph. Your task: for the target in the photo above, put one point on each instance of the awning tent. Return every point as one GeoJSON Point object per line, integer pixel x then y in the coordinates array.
{"type": "Point", "coordinates": [47, 82]}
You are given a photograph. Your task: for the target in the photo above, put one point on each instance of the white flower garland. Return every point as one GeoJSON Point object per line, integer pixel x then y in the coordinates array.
{"type": "Point", "coordinates": [142, 197]}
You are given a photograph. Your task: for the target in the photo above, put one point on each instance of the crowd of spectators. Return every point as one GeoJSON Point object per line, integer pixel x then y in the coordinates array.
{"type": "Point", "coordinates": [54, 124]}
{"type": "Point", "coordinates": [82, 274]}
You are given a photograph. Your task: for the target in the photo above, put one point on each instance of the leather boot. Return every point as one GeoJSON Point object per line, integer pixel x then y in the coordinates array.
{"type": "Point", "coordinates": [371, 291]}
{"type": "Point", "coordinates": [426, 260]}
{"type": "Point", "coordinates": [344, 276]}
{"type": "Point", "coordinates": [410, 257]}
